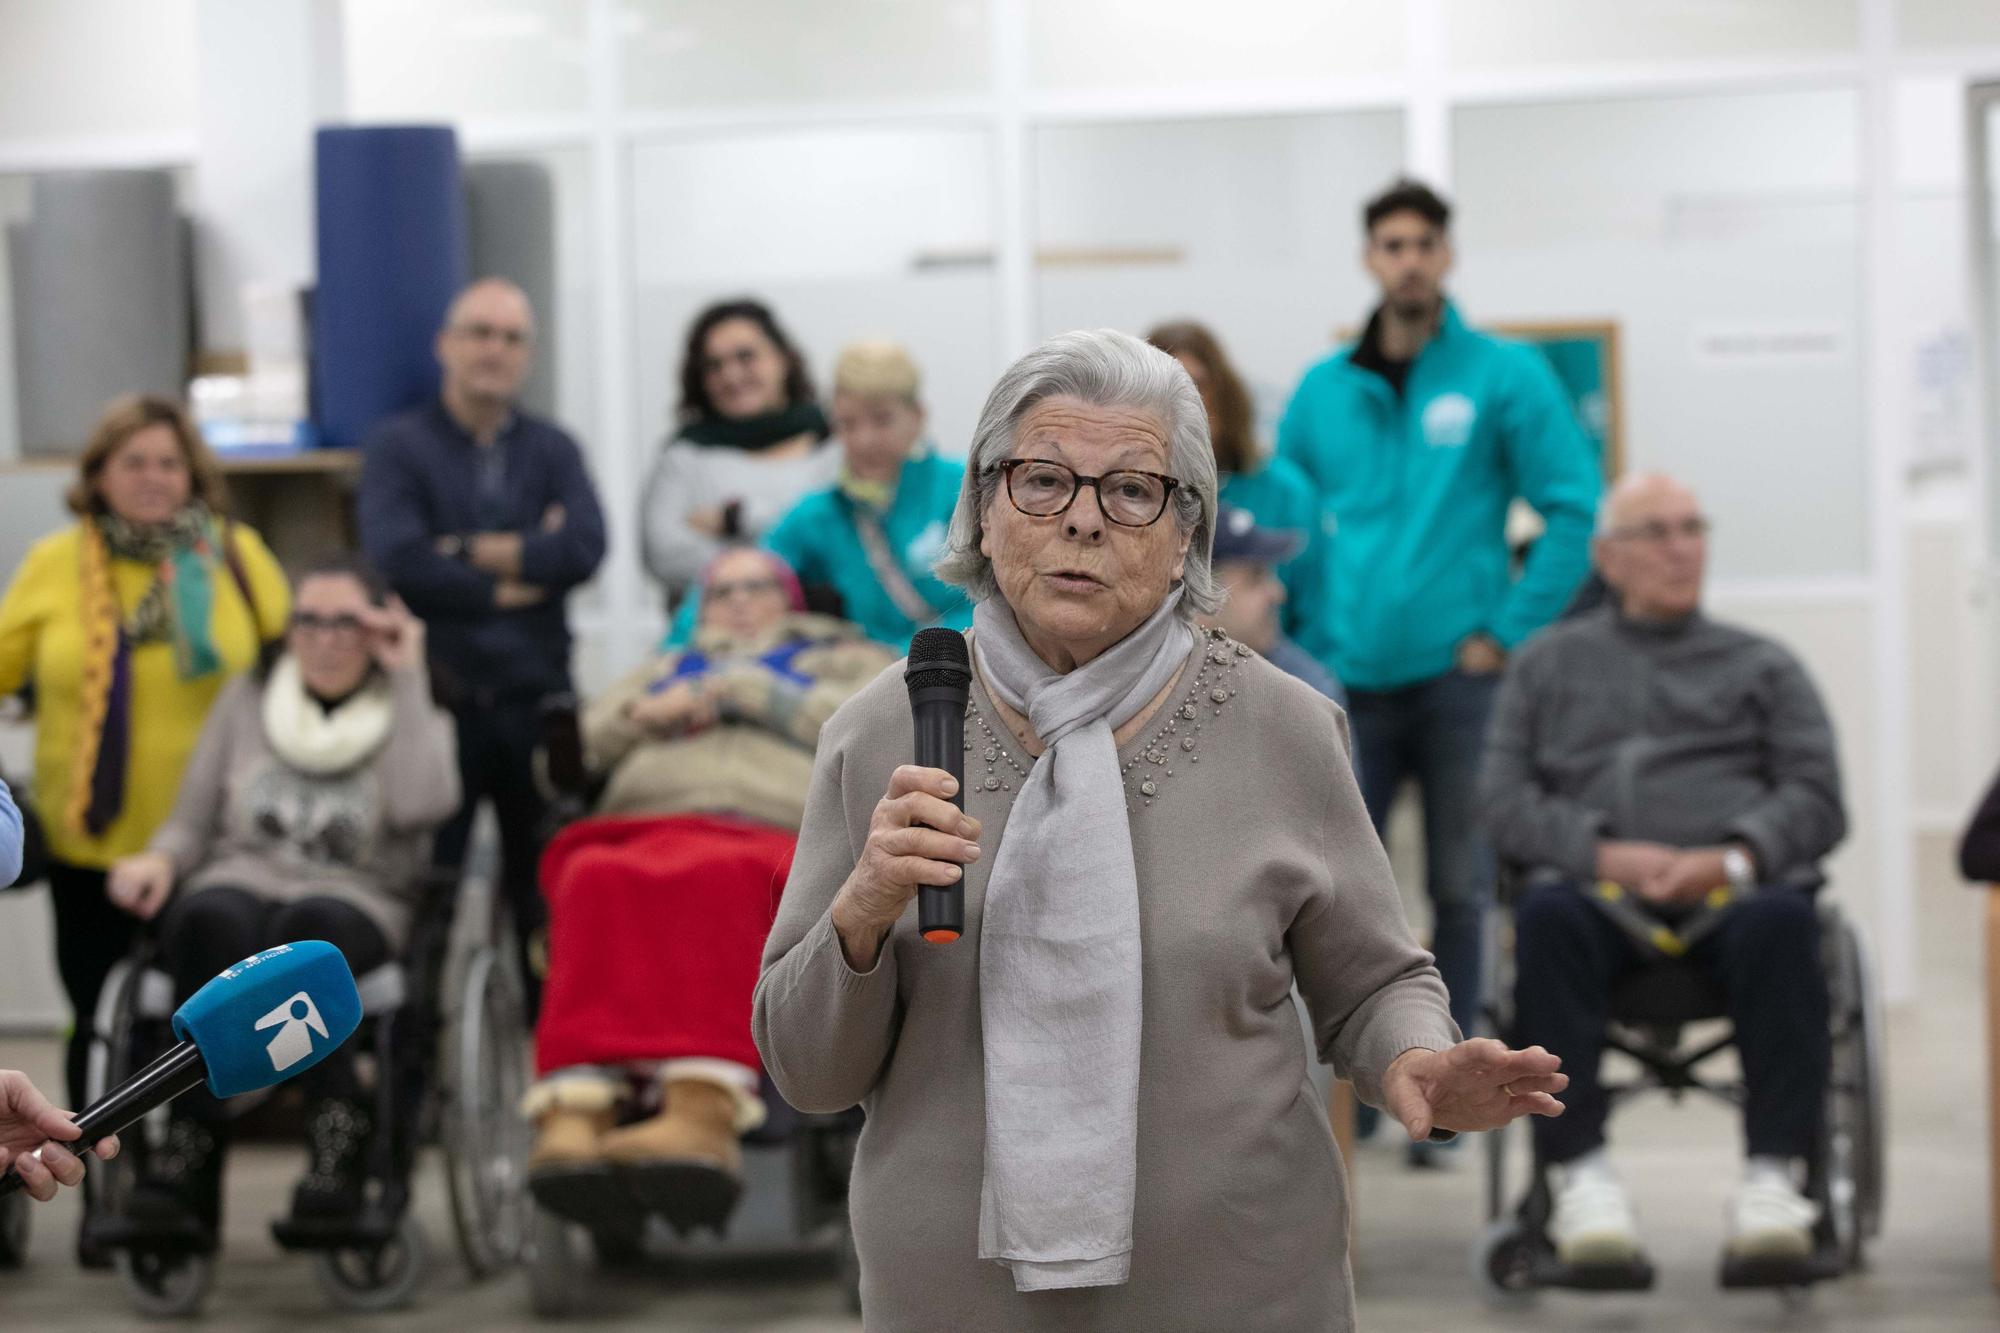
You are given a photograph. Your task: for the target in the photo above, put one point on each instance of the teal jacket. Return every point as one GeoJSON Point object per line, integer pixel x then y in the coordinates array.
{"type": "Point", "coordinates": [1279, 496]}
{"type": "Point", "coordinates": [819, 540]}
{"type": "Point", "coordinates": [1415, 490]}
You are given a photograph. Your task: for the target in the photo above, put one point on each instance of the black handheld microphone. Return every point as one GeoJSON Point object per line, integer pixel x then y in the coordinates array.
{"type": "Point", "coordinates": [939, 678]}
{"type": "Point", "coordinates": [270, 1017]}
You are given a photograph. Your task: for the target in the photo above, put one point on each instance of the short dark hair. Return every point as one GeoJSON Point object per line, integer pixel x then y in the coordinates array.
{"type": "Point", "coordinates": [695, 405]}
{"type": "Point", "coordinates": [350, 565]}
{"type": "Point", "coordinates": [1406, 195]}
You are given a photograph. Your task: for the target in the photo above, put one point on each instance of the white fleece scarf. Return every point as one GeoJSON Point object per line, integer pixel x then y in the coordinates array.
{"type": "Point", "coordinates": [1059, 983]}
{"type": "Point", "coordinates": [324, 741]}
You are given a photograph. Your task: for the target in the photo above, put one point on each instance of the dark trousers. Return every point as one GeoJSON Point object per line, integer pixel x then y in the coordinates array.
{"type": "Point", "coordinates": [496, 762]}
{"type": "Point", "coordinates": [201, 933]}
{"type": "Point", "coordinates": [1764, 956]}
{"type": "Point", "coordinates": [1434, 732]}
{"type": "Point", "coordinates": [92, 934]}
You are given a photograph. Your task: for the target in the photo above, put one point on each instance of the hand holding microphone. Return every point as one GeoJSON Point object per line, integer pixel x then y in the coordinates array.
{"type": "Point", "coordinates": [919, 838]}
{"type": "Point", "coordinates": [274, 1015]}
{"type": "Point", "coordinates": [27, 1120]}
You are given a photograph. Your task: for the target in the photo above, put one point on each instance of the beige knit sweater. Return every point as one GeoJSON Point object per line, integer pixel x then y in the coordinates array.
{"type": "Point", "coordinates": [1257, 869]}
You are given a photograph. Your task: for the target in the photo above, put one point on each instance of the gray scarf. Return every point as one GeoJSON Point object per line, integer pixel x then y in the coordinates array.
{"type": "Point", "coordinates": [1059, 987]}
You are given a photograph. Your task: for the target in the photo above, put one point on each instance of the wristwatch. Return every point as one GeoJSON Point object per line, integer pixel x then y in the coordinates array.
{"type": "Point", "coordinates": [1740, 869]}
{"type": "Point", "coordinates": [452, 546]}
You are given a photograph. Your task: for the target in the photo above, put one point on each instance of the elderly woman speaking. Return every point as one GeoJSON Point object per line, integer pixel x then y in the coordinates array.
{"type": "Point", "coordinates": [1093, 1111]}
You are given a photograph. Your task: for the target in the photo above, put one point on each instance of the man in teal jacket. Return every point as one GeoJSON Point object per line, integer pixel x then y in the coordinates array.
{"type": "Point", "coordinates": [1418, 438]}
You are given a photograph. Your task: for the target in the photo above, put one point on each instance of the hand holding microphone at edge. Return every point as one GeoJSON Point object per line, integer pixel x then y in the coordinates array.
{"type": "Point", "coordinates": [300, 989]}
{"type": "Point", "coordinates": [28, 1121]}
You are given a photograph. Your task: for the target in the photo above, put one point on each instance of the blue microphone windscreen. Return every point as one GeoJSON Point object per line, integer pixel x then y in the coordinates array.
{"type": "Point", "coordinates": [272, 1016]}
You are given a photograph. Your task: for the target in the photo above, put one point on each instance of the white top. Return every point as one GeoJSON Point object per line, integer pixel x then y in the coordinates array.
{"type": "Point", "coordinates": [688, 477]}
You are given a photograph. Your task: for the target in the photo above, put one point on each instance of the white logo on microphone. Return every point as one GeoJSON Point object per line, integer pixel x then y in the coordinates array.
{"type": "Point", "coordinates": [293, 1042]}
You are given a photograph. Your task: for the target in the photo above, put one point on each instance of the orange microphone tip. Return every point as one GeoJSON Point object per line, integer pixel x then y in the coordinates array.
{"type": "Point", "coordinates": [940, 936]}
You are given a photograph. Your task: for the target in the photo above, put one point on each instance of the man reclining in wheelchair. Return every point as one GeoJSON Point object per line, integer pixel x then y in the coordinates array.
{"type": "Point", "coordinates": [306, 813]}
{"type": "Point", "coordinates": [660, 902]}
{"type": "Point", "coordinates": [1670, 783]}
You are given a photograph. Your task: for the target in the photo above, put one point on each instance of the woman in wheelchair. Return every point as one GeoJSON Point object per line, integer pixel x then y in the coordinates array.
{"type": "Point", "coordinates": [306, 813]}
{"type": "Point", "coordinates": [660, 903]}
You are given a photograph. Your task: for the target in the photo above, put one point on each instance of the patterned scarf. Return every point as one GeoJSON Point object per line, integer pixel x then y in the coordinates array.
{"type": "Point", "coordinates": [176, 609]}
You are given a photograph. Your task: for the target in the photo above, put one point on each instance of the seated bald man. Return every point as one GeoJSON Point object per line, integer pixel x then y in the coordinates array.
{"type": "Point", "coordinates": [1644, 744]}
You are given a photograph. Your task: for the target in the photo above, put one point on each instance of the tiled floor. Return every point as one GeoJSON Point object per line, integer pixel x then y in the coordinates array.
{"type": "Point", "coordinates": [1411, 1255]}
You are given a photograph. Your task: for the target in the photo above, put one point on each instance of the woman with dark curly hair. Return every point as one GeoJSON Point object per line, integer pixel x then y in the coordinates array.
{"type": "Point", "coordinates": [748, 444]}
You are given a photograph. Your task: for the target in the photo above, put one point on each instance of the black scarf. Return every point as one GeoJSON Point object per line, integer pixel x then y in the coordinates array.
{"type": "Point", "coordinates": [753, 433]}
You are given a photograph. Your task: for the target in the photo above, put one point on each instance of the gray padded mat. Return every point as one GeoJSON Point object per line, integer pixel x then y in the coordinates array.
{"type": "Point", "coordinates": [510, 219]}
{"type": "Point", "coordinates": [101, 300]}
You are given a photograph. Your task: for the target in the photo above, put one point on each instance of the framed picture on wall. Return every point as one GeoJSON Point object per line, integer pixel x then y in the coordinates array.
{"type": "Point", "coordinates": [1584, 354]}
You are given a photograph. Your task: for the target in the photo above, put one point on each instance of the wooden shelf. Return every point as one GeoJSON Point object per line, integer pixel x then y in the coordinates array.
{"type": "Point", "coordinates": [306, 462]}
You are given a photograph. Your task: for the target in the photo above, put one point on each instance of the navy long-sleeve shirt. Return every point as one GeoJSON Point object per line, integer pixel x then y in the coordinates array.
{"type": "Point", "coordinates": [424, 477]}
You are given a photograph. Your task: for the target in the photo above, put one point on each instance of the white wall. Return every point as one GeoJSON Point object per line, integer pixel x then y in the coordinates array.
{"type": "Point", "coordinates": [77, 69]}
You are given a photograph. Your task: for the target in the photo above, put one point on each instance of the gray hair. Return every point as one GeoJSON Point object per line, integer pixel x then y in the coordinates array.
{"type": "Point", "coordinates": [1104, 368]}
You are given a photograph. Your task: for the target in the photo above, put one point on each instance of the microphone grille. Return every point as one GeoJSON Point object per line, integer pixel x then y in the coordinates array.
{"type": "Point", "coordinates": [938, 657]}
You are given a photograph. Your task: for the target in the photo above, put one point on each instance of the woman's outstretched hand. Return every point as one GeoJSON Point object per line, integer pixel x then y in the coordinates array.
{"type": "Point", "coordinates": [1475, 1085]}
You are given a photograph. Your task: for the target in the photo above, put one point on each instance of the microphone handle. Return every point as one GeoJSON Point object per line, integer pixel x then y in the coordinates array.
{"type": "Point", "coordinates": [940, 725]}
{"type": "Point", "coordinates": [174, 1073]}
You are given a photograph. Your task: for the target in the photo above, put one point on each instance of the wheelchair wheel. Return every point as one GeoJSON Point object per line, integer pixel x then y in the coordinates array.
{"type": "Point", "coordinates": [165, 1284]}
{"type": "Point", "coordinates": [1854, 1130]}
{"type": "Point", "coordinates": [1503, 1263]}
{"type": "Point", "coordinates": [161, 1283]}
{"type": "Point", "coordinates": [13, 1231]}
{"type": "Point", "coordinates": [377, 1278]}
{"type": "Point", "coordinates": [486, 1139]}
{"type": "Point", "coordinates": [555, 1265]}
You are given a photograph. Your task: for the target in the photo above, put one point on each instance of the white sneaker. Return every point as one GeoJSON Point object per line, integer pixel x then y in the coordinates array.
{"type": "Point", "coordinates": [1770, 1219]}
{"type": "Point", "coordinates": [1593, 1225]}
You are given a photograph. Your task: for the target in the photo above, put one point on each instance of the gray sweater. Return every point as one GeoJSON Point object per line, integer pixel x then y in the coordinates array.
{"type": "Point", "coordinates": [1689, 734]}
{"type": "Point", "coordinates": [1257, 868]}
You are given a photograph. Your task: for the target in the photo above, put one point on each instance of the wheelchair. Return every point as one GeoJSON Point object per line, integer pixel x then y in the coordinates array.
{"type": "Point", "coordinates": [1650, 1009]}
{"type": "Point", "coordinates": [795, 1166]}
{"type": "Point", "coordinates": [443, 1032]}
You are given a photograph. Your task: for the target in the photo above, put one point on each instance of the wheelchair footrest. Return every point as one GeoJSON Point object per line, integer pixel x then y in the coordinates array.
{"type": "Point", "coordinates": [371, 1230]}
{"type": "Point", "coordinates": [1638, 1275]}
{"type": "Point", "coordinates": [587, 1194]}
{"type": "Point", "coordinates": [1763, 1273]}
{"type": "Point", "coordinates": [151, 1235]}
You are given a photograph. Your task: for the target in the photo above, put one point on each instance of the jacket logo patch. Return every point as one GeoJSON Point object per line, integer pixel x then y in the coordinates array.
{"type": "Point", "coordinates": [1448, 420]}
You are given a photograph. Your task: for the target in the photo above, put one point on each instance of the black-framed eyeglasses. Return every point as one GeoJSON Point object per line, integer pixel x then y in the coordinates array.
{"type": "Point", "coordinates": [479, 332]}
{"type": "Point", "coordinates": [1657, 533]}
{"type": "Point", "coordinates": [722, 592]}
{"type": "Point", "coordinates": [311, 622]}
{"type": "Point", "coordinates": [1040, 488]}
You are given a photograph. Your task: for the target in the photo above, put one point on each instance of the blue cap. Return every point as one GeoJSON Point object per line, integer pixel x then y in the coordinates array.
{"type": "Point", "coordinates": [274, 1015]}
{"type": "Point", "coordinates": [1237, 537]}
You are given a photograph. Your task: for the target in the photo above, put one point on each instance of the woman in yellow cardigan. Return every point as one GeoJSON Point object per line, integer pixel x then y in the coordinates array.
{"type": "Point", "coordinates": [125, 626]}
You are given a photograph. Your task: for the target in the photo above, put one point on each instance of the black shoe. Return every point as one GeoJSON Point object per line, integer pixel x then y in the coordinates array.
{"type": "Point", "coordinates": [177, 1200]}
{"type": "Point", "coordinates": [335, 1183]}
{"type": "Point", "coordinates": [90, 1252]}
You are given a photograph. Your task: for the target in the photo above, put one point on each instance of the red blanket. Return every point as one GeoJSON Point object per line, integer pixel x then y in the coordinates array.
{"type": "Point", "coordinates": [655, 931]}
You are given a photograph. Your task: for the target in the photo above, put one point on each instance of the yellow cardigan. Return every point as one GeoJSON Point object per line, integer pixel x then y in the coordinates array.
{"type": "Point", "coordinates": [41, 641]}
